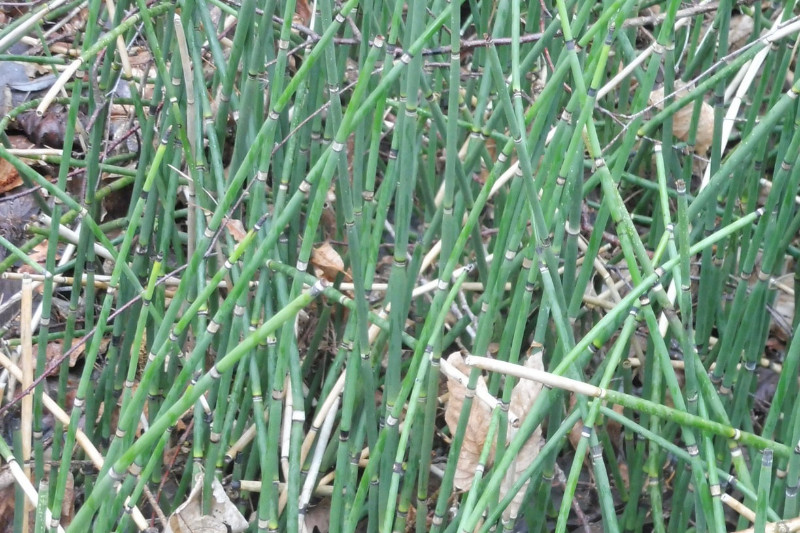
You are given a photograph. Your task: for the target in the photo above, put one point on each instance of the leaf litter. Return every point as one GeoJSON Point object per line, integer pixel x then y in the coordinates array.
{"type": "Point", "coordinates": [523, 397]}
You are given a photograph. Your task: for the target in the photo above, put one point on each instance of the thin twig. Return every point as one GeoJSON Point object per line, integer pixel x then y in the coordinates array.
{"type": "Point", "coordinates": [683, 13]}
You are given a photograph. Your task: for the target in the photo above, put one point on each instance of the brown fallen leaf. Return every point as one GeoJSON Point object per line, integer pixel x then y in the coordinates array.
{"type": "Point", "coordinates": [39, 252]}
{"type": "Point", "coordinates": [523, 396]}
{"type": "Point", "coordinates": [56, 348]}
{"type": "Point", "coordinates": [223, 518]}
{"type": "Point", "coordinates": [9, 177]}
{"type": "Point", "coordinates": [328, 263]}
{"type": "Point", "coordinates": [318, 517]}
{"type": "Point", "coordinates": [236, 229]}
{"type": "Point", "coordinates": [682, 119]}
{"type": "Point", "coordinates": [302, 12]}
{"type": "Point", "coordinates": [139, 56]}
{"type": "Point", "coordinates": [477, 428]}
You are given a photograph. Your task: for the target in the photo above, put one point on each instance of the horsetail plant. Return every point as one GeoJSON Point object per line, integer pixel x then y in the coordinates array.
{"type": "Point", "coordinates": [319, 200]}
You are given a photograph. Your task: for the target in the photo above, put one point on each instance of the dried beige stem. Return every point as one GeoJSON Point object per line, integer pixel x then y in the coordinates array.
{"type": "Point", "coordinates": [32, 496]}
{"type": "Point", "coordinates": [80, 437]}
{"type": "Point", "coordinates": [121, 48]}
{"type": "Point", "coordinates": [738, 506]}
{"type": "Point", "coordinates": [29, 23]}
{"type": "Point", "coordinates": [26, 346]}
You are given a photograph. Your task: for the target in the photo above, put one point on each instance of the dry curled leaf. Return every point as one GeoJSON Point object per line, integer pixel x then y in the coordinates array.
{"type": "Point", "coordinates": [139, 56]}
{"type": "Point", "coordinates": [55, 349]}
{"type": "Point", "coordinates": [223, 516]}
{"type": "Point", "coordinates": [523, 396]}
{"type": "Point", "coordinates": [302, 12]}
{"type": "Point", "coordinates": [9, 177]}
{"type": "Point", "coordinates": [317, 517]}
{"type": "Point", "coordinates": [236, 229]}
{"type": "Point", "coordinates": [477, 428]}
{"type": "Point", "coordinates": [682, 119]}
{"type": "Point", "coordinates": [328, 263]}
